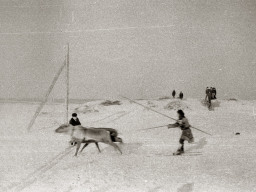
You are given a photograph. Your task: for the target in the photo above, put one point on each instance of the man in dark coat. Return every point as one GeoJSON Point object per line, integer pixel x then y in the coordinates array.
{"type": "Point", "coordinates": [173, 93]}
{"type": "Point", "coordinates": [74, 120]}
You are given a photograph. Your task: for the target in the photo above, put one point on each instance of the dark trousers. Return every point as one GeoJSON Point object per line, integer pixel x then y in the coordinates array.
{"type": "Point", "coordinates": [181, 148]}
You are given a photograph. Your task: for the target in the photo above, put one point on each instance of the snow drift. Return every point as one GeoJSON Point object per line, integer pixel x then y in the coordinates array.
{"type": "Point", "coordinates": [176, 104]}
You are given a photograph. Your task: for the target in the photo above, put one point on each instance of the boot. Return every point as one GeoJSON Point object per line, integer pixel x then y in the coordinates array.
{"type": "Point", "coordinates": [180, 150]}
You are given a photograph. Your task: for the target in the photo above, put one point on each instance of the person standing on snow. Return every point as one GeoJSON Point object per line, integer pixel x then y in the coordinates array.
{"type": "Point", "coordinates": [207, 93]}
{"type": "Point", "coordinates": [214, 93]}
{"type": "Point", "coordinates": [173, 93]}
{"type": "Point", "coordinates": [74, 120]}
{"type": "Point", "coordinates": [186, 131]}
{"type": "Point", "coordinates": [181, 95]}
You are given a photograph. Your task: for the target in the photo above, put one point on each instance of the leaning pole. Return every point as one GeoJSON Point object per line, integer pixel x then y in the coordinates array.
{"type": "Point", "coordinates": [46, 96]}
{"type": "Point", "coordinates": [56, 77]}
{"type": "Point", "coordinates": [162, 114]}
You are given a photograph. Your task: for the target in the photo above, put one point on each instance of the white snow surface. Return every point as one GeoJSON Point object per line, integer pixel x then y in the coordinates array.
{"type": "Point", "coordinates": [42, 160]}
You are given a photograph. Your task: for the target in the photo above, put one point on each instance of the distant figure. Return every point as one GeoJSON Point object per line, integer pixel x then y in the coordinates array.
{"type": "Point", "coordinates": [181, 95]}
{"type": "Point", "coordinates": [186, 131]}
{"type": "Point", "coordinates": [74, 120]}
{"type": "Point", "coordinates": [207, 92]}
{"type": "Point", "coordinates": [173, 93]}
{"type": "Point", "coordinates": [210, 95]}
{"type": "Point", "coordinates": [214, 93]}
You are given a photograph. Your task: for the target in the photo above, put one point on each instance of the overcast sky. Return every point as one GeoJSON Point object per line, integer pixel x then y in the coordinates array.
{"type": "Point", "coordinates": [138, 48]}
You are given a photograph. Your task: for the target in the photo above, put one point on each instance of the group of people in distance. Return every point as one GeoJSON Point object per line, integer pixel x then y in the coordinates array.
{"type": "Point", "coordinates": [180, 95]}
{"type": "Point", "coordinates": [210, 93]}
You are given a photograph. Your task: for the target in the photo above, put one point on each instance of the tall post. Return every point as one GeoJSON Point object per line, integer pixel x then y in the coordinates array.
{"type": "Point", "coordinates": [67, 83]}
{"type": "Point", "coordinates": [46, 96]}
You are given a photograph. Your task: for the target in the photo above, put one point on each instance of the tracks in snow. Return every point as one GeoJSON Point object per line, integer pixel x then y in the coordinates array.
{"type": "Point", "coordinates": [32, 178]}
{"type": "Point", "coordinates": [38, 173]}
{"type": "Point", "coordinates": [113, 117]}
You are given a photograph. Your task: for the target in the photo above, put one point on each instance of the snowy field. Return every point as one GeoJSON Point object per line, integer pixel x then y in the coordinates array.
{"type": "Point", "coordinates": [42, 160]}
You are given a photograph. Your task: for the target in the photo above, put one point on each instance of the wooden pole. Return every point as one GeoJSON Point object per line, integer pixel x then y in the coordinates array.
{"type": "Point", "coordinates": [163, 114]}
{"type": "Point", "coordinates": [67, 84]}
{"type": "Point", "coordinates": [148, 108]}
{"type": "Point", "coordinates": [46, 97]}
{"type": "Point", "coordinates": [153, 127]}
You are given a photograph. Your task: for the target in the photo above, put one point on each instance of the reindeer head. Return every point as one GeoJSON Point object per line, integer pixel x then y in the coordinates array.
{"type": "Point", "coordinates": [65, 128]}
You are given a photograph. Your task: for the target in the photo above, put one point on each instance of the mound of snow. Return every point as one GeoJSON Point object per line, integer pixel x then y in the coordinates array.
{"type": "Point", "coordinates": [232, 99]}
{"type": "Point", "coordinates": [215, 103]}
{"type": "Point", "coordinates": [175, 105]}
{"type": "Point", "coordinates": [151, 104]}
{"type": "Point", "coordinates": [99, 106]}
{"type": "Point", "coordinates": [204, 102]}
{"type": "Point", "coordinates": [164, 98]}
{"type": "Point", "coordinates": [108, 102]}
{"type": "Point", "coordinates": [90, 107]}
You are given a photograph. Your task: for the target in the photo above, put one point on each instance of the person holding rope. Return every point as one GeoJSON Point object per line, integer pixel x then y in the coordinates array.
{"type": "Point", "coordinates": [186, 134]}
{"type": "Point", "coordinates": [173, 93]}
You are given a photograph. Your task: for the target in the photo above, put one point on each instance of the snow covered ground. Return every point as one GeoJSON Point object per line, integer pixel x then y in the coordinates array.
{"type": "Point", "coordinates": [41, 160]}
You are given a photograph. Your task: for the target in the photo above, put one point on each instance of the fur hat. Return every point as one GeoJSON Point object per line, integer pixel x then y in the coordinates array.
{"type": "Point", "coordinates": [74, 115]}
{"type": "Point", "coordinates": [181, 113]}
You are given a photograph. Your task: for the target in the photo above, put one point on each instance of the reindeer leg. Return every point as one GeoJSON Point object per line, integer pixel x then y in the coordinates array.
{"type": "Point", "coordinates": [87, 142]}
{"type": "Point", "coordinates": [96, 143]}
{"type": "Point", "coordinates": [77, 147]}
{"type": "Point", "coordinates": [85, 145]}
{"type": "Point", "coordinates": [114, 145]}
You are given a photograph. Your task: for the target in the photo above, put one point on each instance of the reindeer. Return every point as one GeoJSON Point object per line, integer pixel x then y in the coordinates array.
{"type": "Point", "coordinates": [113, 136]}
{"type": "Point", "coordinates": [82, 134]}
